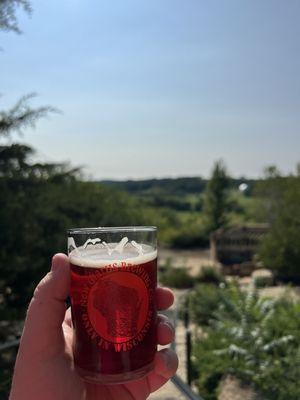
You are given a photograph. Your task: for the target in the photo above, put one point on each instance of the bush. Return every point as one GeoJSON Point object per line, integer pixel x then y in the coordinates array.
{"type": "Point", "coordinates": [211, 369]}
{"type": "Point", "coordinates": [177, 278]}
{"type": "Point", "coordinates": [256, 340]}
{"type": "Point", "coordinates": [191, 234]}
{"type": "Point", "coordinates": [203, 302]}
{"type": "Point", "coordinates": [210, 274]}
{"type": "Point", "coordinates": [263, 281]}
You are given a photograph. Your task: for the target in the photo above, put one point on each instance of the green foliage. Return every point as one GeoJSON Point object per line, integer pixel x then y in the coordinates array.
{"type": "Point", "coordinates": [257, 340]}
{"type": "Point", "coordinates": [191, 234]}
{"type": "Point", "coordinates": [52, 205]}
{"type": "Point", "coordinates": [263, 281]}
{"type": "Point", "coordinates": [203, 302]}
{"type": "Point", "coordinates": [280, 251]}
{"type": "Point", "coordinates": [38, 203]}
{"type": "Point", "coordinates": [244, 209]}
{"type": "Point", "coordinates": [270, 191]}
{"type": "Point", "coordinates": [209, 371]}
{"type": "Point", "coordinates": [173, 202]}
{"type": "Point", "coordinates": [21, 115]}
{"type": "Point", "coordinates": [175, 277]}
{"type": "Point", "coordinates": [215, 203]}
{"type": "Point", "coordinates": [178, 186]}
{"type": "Point", "coordinates": [8, 8]}
{"type": "Point", "coordinates": [182, 202]}
{"type": "Point", "coordinates": [210, 274]}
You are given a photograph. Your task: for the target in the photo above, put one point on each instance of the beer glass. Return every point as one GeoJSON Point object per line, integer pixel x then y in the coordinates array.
{"type": "Point", "coordinates": [113, 282]}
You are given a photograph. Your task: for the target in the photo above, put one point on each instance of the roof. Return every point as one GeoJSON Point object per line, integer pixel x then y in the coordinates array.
{"type": "Point", "coordinates": [255, 230]}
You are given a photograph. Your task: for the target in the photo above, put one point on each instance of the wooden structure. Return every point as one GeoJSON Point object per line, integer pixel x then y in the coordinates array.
{"type": "Point", "coordinates": [236, 247]}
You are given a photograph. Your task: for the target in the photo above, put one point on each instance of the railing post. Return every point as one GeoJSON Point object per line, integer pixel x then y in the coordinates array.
{"type": "Point", "coordinates": [188, 357]}
{"type": "Point", "coordinates": [186, 317]}
{"type": "Point", "coordinates": [174, 315]}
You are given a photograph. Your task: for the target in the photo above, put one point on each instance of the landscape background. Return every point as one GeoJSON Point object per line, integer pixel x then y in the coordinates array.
{"type": "Point", "coordinates": [204, 100]}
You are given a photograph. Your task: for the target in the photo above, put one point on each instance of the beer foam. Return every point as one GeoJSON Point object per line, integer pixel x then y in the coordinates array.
{"type": "Point", "coordinates": [97, 254]}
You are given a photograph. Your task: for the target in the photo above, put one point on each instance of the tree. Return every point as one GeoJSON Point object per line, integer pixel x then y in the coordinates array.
{"type": "Point", "coordinates": [215, 197]}
{"type": "Point", "coordinates": [270, 190]}
{"type": "Point", "coordinates": [8, 20]}
{"type": "Point", "coordinates": [280, 249]}
{"type": "Point", "coordinates": [280, 199]}
{"type": "Point", "coordinates": [21, 115]}
{"type": "Point", "coordinates": [22, 186]}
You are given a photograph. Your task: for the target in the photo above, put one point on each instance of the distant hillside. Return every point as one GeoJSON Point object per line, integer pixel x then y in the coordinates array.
{"type": "Point", "coordinates": [176, 186]}
{"type": "Point", "coordinates": [169, 185]}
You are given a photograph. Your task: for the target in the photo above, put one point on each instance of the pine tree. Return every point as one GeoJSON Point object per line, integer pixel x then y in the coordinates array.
{"type": "Point", "coordinates": [13, 156]}
{"type": "Point", "coordinates": [215, 200]}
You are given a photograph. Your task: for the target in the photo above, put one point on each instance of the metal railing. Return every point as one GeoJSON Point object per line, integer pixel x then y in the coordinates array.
{"type": "Point", "coordinates": [185, 389]}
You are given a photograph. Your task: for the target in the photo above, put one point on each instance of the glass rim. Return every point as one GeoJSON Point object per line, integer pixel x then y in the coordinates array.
{"type": "Point", "coordinates": [112, 229]}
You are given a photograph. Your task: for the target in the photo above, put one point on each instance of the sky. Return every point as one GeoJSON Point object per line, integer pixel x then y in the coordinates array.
{"type": "Point", "coordinates": [159, 88]}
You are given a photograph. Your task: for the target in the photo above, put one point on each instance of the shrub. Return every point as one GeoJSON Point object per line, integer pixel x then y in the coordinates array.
{"type": "Point", "coordinates": [175, 277]}
{"type": "Point", "coordinates": [211, 368]}
{"type": "Point", "coordinates": [203, 302]}
{"type": "Point", "coordinates": [210, 274]}
{"type": "Point", "coordinates": [256, 340]}
{"type": "Point", "coordinates": [263, 281]}
{"type": "Point", "coordinates": [191, 234]}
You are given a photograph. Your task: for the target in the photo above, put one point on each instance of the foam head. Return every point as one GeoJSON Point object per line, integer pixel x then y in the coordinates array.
{"type": "Point", "coordinates": [96, 253]}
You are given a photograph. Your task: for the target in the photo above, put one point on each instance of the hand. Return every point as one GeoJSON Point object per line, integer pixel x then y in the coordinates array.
{"type": "Point", "coordinates": [44, 367]}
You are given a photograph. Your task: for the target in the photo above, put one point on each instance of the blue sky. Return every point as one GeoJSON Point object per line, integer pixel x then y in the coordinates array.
{"type": "Point", "coordinates": [162, 87]}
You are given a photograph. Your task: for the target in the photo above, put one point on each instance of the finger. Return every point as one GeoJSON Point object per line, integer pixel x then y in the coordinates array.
{"type": "Point", "coordinates": [68, 318]}
{"type": "Point", "coordinates": [164, 298]}
{"type": "Point", "coordinates": [166, 363]}
{"type": "Point", "coordinates": [46, 312]}
{"type": "Point", "coordinates": [162, 318]}
{"type": "Point", "coordinates": [165, 366]}
{"type": "Point", "coordinates": [67, 326]}
{"type": "Point", "coordinates": [165, 332]}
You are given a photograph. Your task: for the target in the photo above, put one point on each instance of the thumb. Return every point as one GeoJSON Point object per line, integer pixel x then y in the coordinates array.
{"type": "Point", "coordinates": [45, 315]}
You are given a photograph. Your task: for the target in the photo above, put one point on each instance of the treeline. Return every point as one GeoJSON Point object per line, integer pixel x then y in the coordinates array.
{"type": "Point", "coordinates": [172, 186]}
{"type": "Point", "coordinates": [168, 185]}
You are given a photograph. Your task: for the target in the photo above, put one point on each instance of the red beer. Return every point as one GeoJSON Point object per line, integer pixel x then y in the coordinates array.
{"type": "Point", "coordinates": [114, 316]}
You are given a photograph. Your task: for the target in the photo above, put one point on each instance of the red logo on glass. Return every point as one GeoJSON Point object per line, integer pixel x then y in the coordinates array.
{"type": "Point", "coordinates": [118, 307]}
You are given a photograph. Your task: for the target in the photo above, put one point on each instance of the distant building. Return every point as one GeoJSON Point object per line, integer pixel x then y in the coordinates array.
{"type": "Point", "coordinates": [235, 248]}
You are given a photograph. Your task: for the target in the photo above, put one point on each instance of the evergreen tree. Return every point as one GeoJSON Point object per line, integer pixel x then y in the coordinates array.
{"type": "Point", "coordinates": [21, 115]}
{"type": "Point", "coordinates": [215, 197]}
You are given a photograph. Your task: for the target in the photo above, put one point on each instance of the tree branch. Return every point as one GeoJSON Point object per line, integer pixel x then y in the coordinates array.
{"type": "Point", "coordinates": [22, 115]}
{"type": "Point", "coordinates": [8, 20]}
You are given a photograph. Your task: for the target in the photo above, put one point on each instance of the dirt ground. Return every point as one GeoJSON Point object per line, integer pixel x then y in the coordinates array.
{"type": "Point", "coordinates": [193, 260]}
{"type": "Point", "coordinates": [196, 259]}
